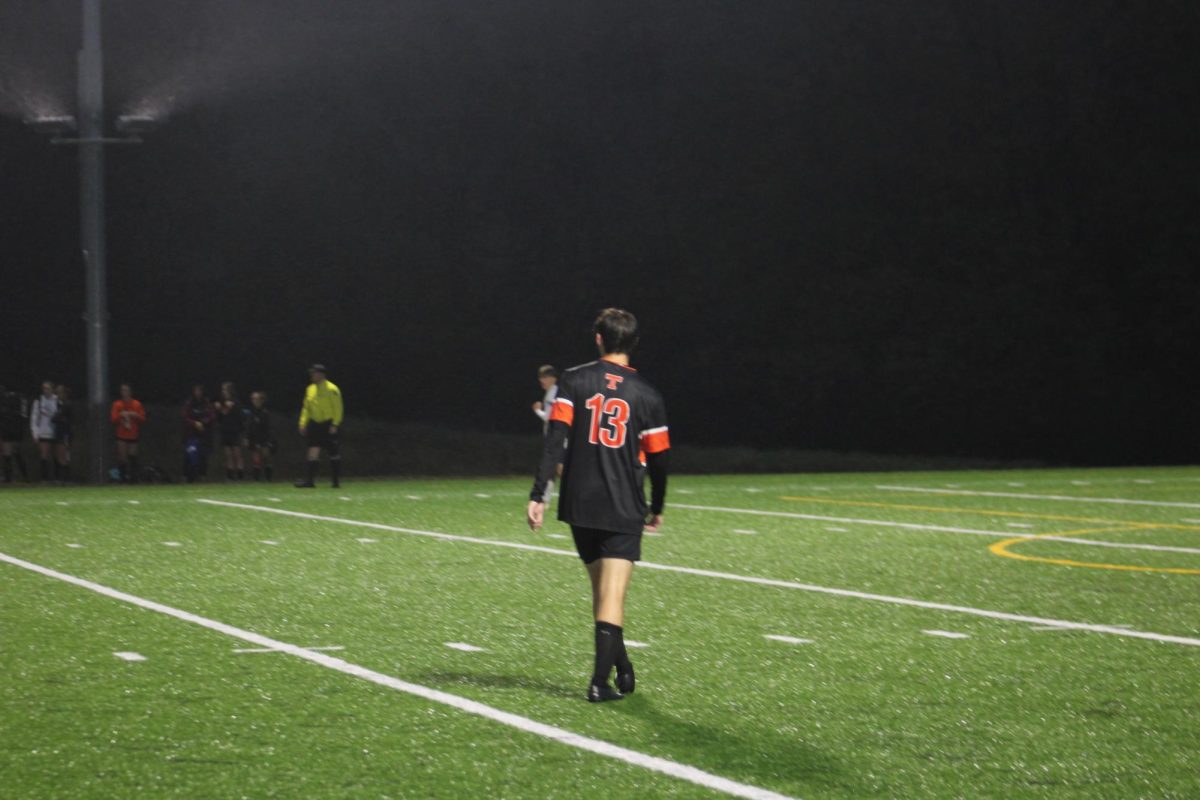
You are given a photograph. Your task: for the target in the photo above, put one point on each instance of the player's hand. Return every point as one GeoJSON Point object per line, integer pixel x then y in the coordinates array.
{"type": "Point", "coordinates": [534, 514]}
{"type": "Point", "coordinates": [654, 523]}
{"type": "Point", "coordinates": [537, 406]}
{"type": "Point", "coordinates": [332, 430]}
{"type": "Point", "coordinates": [301, 429]}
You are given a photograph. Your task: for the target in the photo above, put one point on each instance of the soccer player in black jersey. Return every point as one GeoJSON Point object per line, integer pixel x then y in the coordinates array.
{"type": "Point", "coordinates": [615, 425]}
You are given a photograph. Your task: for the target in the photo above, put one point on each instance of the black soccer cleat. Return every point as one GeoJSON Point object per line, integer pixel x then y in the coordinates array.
{"type": "Point", "coordinates": [305, 485]}
{"type": "Point", "coordinates": [599, 694]}
{"type": "Point", "coordinates": [625, 680]}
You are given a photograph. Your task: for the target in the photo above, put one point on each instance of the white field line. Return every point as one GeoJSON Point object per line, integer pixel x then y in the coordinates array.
{"type": "Point", "coordinates": [728, 576]}
{"type": "Point", "coordinates": [466, 648]}
{"type": "Point", "coordinates": [561, 735]}
{"type": "Point", "coordinates": [128, 656]}
{"type": "Point", "coordinates": [1163, 548]}
{"type": "Point", "coordinates": [1122, 501]}
{"type": "Point", "coordinates": [277, 650]}
{"type": "Point", "coordinates": [947, 634]}
{"type": "Point", "coordinates": [916, 526]}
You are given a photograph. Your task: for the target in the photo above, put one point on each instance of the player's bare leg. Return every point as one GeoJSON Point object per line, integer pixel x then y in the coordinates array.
{"type": "Point", "coordinates": [610, 582]}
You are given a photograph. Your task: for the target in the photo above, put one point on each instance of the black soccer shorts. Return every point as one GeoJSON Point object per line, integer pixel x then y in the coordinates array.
{"type": "Point", "coordinates": [592, 543]}
{"type": "Point", "coordinates": [318, 434]}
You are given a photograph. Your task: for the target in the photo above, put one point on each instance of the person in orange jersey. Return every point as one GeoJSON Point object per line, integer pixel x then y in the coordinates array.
{"type": "Point", "coordinates": [127, 416]}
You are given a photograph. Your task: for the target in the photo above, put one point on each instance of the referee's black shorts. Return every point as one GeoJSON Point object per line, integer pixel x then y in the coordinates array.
{"type": "Point", "coordinates": [318, 434]}
{"type": "Point", "coordinates": [593, 543]}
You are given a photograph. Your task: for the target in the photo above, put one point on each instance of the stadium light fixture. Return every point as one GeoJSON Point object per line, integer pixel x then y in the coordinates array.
{"type": "Point", "coordinates": [52, 126]}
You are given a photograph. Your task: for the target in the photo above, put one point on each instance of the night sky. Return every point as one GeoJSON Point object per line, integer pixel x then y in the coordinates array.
{"type": "Point", "coordinates": [958, 228]}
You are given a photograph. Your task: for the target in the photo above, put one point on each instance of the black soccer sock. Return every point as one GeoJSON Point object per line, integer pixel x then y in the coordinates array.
{"type": "Point", "coordinates": [65, 477]}
{"type": "Point", "coordinates": [609, 642]}
{"type": "Point", "coordinates": [622, 662]}
{"type": "Point", "coordinates": [20, 457]}
{"type": "Point", "coordinates": [258, 474]}
{"type": "Point", "coordinates": [241, 474]}
{"type": "Point", "coordinates": [335, 467]}
{"type": "Point", "coordinates": [269, 470]}
{"type": "Point", "coordinates": [123, 471]}
{"type": "Point", "coordinates": [228, 474]}
{"type": "Point", "coordinates": [133, 469]}
{"type": "Point", "coordinates": [310, 471]}
{"type": "Point", "coordinates": [45, 469]}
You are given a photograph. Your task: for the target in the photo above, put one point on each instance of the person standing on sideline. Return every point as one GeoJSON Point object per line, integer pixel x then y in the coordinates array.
{"type": "Point", "coordinates": [41, 425]}
{"type": "Point", "coordinates": [127, 415]}
{"type": "Point", "coordinates": [320, 421]}
{"type": "Point", "coordinates": [621, 420]}
{"type": "Point", "coordinates": [63, 420]}
{"type": "Point", "coordinates": [198, 417]}
{"type": "Point", "coordinates": [547, 377]}
{"type": "Point", "coordinates": [14, 416]}
{"type": "Point", "coordinates": [231, 421]}
{"type": "Point", "coordinates": [258, 436]}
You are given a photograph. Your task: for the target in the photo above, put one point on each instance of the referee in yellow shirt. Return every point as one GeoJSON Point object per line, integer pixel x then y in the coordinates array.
{"type": "Point", "coordinates": [320, 419]}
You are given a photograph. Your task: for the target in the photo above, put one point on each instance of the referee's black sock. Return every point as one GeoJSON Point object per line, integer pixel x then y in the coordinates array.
{"type": "Point", "coordinates": [310, 471]}
{"type": "Point", "coordinates": [335, 466]}
{"type": "Point", "coordinates": [134, 470]}
{"type": "Point", "coordinates": [609, 642]}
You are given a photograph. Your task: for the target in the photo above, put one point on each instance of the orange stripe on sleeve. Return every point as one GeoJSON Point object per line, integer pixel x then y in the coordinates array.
{"type": "Point", "coordinates": [656, 441]}
{"type": "Point", "coordinates": [563, 411]}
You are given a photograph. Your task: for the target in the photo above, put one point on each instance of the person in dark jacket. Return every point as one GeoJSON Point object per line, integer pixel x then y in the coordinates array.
{"type": "Point", "coordinates": [231, 422]}
{"type": "Point", "coordinates": [198, 418]}
{"type": "Point", "coordinates": [258, 436]}
{"type": "Point", "coordinates": [14, 419]}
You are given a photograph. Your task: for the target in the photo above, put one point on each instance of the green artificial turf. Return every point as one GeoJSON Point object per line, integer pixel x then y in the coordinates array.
{"type": "Point", "coordinates": [870, 706]}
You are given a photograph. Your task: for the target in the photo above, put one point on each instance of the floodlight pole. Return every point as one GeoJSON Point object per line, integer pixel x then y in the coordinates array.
{"type": "Point", "coordinates": [92, 235]}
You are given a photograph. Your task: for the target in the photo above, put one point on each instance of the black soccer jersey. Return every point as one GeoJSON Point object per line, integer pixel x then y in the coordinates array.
{"type": "Point", "coordinates": [258, 426]}
{"type": "Point", "coordinates": [612, 419]}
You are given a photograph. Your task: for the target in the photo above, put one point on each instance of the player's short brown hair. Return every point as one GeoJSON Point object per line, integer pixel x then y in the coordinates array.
{"type": "Point", "coordinates": [547, 371]}
{"type": "Point", "coordinates": [618, 330]}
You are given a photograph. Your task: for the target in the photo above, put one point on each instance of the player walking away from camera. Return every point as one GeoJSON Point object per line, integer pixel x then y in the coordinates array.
{"type": "Point", "coordinates": [41, 425]}
{"type": "Point", "coordinates": [547, 377]}
{"type": "Point", "coordinates": [320, 420]}
{"type": "Point", "coordinates": [612, 418]}
{"type": "Point", "coordinates": [231, 421]}
{"type": "Point", "coordinates": [127, 415]}
{"type": "Point", "coordinates": [63, 422]}
{"type": "Point", "coordinates": [14, 416]}
{"type": "Point", "coordinates": [258, 436]}
{"type": "Point", "coordinates": [198, 418]}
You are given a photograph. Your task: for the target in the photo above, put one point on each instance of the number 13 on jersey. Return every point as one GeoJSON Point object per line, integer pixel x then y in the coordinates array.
{"type": "Point", "coordinates": [610, 420]}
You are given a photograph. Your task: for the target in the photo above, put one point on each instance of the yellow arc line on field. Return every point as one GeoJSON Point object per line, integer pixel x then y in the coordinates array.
{"type": "Point", "coordinates": [993, 512]}
{"type": "Point", "coordinates": [1001, 549]}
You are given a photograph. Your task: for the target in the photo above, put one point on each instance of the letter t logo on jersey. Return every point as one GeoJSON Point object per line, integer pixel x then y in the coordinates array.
{"type": "Point", "coordinates": [613, 380]}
